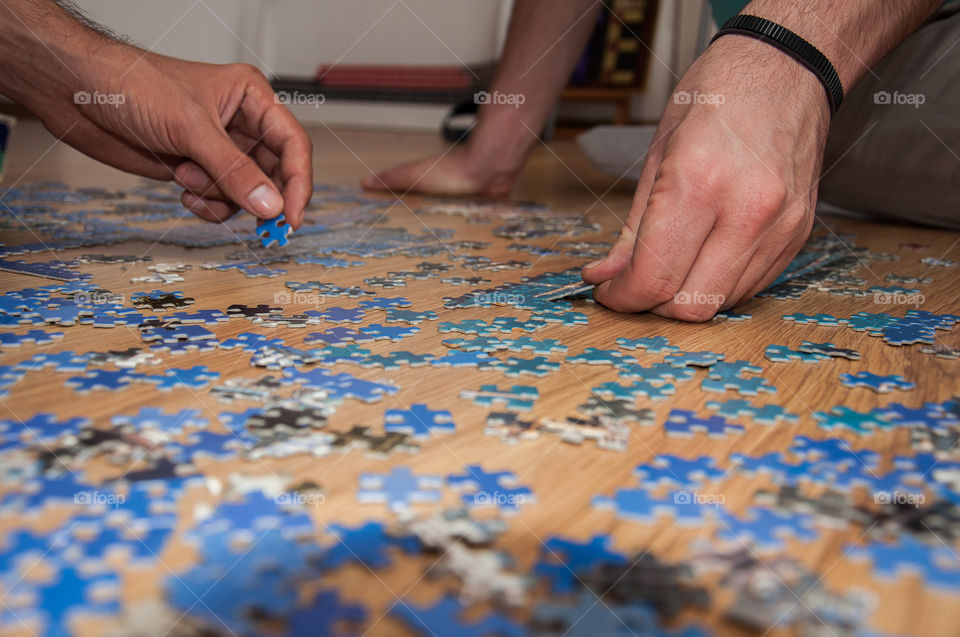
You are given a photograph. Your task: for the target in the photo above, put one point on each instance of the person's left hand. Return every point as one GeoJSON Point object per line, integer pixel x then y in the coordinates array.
{"type": "Point", "coordinates": [215, 129]}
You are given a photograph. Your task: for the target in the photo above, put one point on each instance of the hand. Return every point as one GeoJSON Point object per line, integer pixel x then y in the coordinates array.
{"type": "Point", "coordinates": [215, 129]}
{"type": "Point", "coordinates": [460, 172]}
{"type": "Point", "coordinates": [727, 192]}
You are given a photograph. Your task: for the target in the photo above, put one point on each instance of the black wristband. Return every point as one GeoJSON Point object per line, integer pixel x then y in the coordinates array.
{"type": "Point", "coordinates": [794, 46]}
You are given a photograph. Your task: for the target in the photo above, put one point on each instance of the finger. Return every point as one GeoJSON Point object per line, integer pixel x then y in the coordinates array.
{"type": "Point", "coordinates": [278, 130]}
{"type": "Point", "coordinates": [760, 275]}
{"type": "Point", "coordinates": [619, 255]}
{"type": "Point", "coordinates": [719, 266]}
{"type": "Point", "coordinates": [233, 172]}
{"type": "Point", "coordinates": [192, 177]}
{"type": "Point", "coordinates": [672, 231]}
{"type": "Point", "coordinates": [213, 211]}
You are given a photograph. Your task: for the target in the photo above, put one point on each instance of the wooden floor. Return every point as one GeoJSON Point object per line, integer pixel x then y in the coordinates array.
{"type": "Point", "coordinates": [565, 478]}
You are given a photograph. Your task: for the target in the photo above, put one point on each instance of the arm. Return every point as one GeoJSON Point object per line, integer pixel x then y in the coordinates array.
{"type": "Point", "coordinates": [727, 192]}
{"type": "Point", "coordinates": [544, 42]}
{"type": "Point", "coordinates": [215, 129]}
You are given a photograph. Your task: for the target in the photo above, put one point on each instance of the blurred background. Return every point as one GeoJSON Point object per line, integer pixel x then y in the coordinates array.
{"type": "Point", "coordinates": [403, 64]}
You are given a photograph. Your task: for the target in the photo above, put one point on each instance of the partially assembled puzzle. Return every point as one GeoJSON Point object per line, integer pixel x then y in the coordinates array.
{"type": "Point", "coordinates": [409, 417]}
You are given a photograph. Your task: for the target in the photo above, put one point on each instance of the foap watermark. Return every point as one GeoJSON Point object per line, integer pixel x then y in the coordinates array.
{"type": "Point", "coordinates": [297, 499]}
{"type": "Point", "coordinates": [508, 99]}
{"type": "Point", "coordinates": [105, 498]}
{"type": "Point", "coordinates": [498, 298]}
{"type": "Point", "coordinates": [915, 299]}
{"type": "Point", "coordinates": [698, 298]}
{"type": "Point", "coordinates": [99, 99]}
{"type": "Point", "coordinates": [297, 98]}
{"type": "Point", "coordinates": [897, 98]}
{"type": "Point", "coordinates": [695, 497]}
{"type": "Point", "coordinates": [499, 499]}
{"type": "Point", "coordinates": [900, 498]}
{"type": "Point", "coordinates": [708, 99]}
{"type": "Point", "coordinates": [283, 297]}
{"type": "Point", "coordinates": [98, 297]}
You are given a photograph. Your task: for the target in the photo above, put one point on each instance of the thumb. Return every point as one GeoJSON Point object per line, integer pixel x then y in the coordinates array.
{"type": "Point", "coordinates": [237, 175]}
{"type": "Point", "coordinates": [617, 258]}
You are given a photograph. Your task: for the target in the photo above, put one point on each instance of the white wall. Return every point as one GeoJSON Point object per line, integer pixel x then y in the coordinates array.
{"type": "Point", "coordinates": [293, 37]}
{"type": "Point", "coordinates": [218, 31]}
{"type": "Point", "coordinates": [305, 33]}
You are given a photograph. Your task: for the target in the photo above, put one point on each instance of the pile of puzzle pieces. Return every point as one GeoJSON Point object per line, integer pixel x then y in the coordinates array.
{"type": "Point", "coordinates": [398, 398]}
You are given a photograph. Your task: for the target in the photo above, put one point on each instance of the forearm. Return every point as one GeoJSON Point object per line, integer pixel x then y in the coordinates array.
{"type": "Point", "coordinates": [46, 53]}
{"type": "Point", "coordinates": [544, 42]}
{"type": "Point", "coordinates": [853, 34]}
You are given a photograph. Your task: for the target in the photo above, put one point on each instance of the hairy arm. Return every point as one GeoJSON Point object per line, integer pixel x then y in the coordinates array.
{"type": "Point", "coordinates": [853, 34]}
{"type": "Point", "coordinates": [215, 129]}
{"type": "Point", "coordinates": [728, 188]}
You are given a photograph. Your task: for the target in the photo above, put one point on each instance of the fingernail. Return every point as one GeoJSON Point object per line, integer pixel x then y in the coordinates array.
{"type": "Point", "coordinates": [594, 264]}
{"type": "Point", "coordinates": [264, 200]}
{"type": "Point", "coordinates": [194, 178]}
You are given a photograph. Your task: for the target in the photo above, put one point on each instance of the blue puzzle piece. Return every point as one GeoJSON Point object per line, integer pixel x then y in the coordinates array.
{"type": "Point", "coordinates": [681, 422]}
{"type": "Point", "coordinates": [724, 376]}
{"type": "Point", "coordinates": [397, 359]}
{"type": "Point", "coordinates": [384, 303]}
{"type": "Point", "coordinates": [155, 418]}
{"type": "Point", "coordinates": [562, 560]}
{"type": "Point", "coordinates": [390, 332]}
{"type": "Point", "coordinates": [480, 360]}
{"type": "Point", "coordinates": [765, 528]}
{"type": "Point", "coordinates": [878, 383]}
{"type": "Point", "coordinates": [616, 391]}
{"type": "Point", "coordinates": [823, 320]}
{"type": "Point", "coordinates": [784, 354]}
{"type": "Point", "coordinates": [399, 488]}
{"type": "Point", "coordinates": [936, 565]}
{"type": "Point", "coordinates": [589, 616]}
{"type": "Point", "coordinates": [597, 356]}
{"type": "Point", "coordinates": [102, 379]}
{"type": "Point", "coordinates": [639, 506]}
{"type": "Point", "coordinates": [774, 465]}
{"type": "Point", "coordinates": [195, 377]}
{"type": "Point", "coordinates": [42, 427]}
{"type": "Point", "coordinates": [444, 618]}
{"type": "Point", "coordinates": [367, 544]}
{"type": "Point", "coordinates": [834, 454]}
{"type": "Point", "coordinates": [274, 232]}
{"type": "Point", "coordinates": [419, 421]}
{"type": "Point", "coordinates": [491, 489]}
{"type": "Point", "coordinates": [339, 314]}
{"type": "Point", "coordinates": [516, 398]}
{"type": "Point", "coordinates": [69, 594]}
{"type": "Point", "coordinates": [535, 366]}
{"type": "Point", "coordinates": [338, 336]}
{"type": "Point", "coordinates": [324, 617]}
{"type": "Point", "coordinates": [36, 337]}
{"type": "Point", "coordinates": [847, 418]}
{"type": "Point", "coordinates": [765, 415]}
{"type": "Point", "coordinates": [250, 342]}
{"type": "Point", "coordinates": [409, 316]}
{"type": "Point", "coordinates": [678, 472]}
{"type": "Point", "coordinates": [651, 344]}
{"type": "Point", "coordinates": [340, 385]}
{"type": "Point", "coordinates": [695, 359]}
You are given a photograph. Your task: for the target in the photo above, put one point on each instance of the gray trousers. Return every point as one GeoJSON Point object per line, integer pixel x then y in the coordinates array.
{"type": "Point", "coordinates": [894, 145]}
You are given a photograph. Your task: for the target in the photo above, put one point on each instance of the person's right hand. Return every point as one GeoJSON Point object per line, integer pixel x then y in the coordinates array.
{"type": "Point", "coordinates": [727, 192]}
